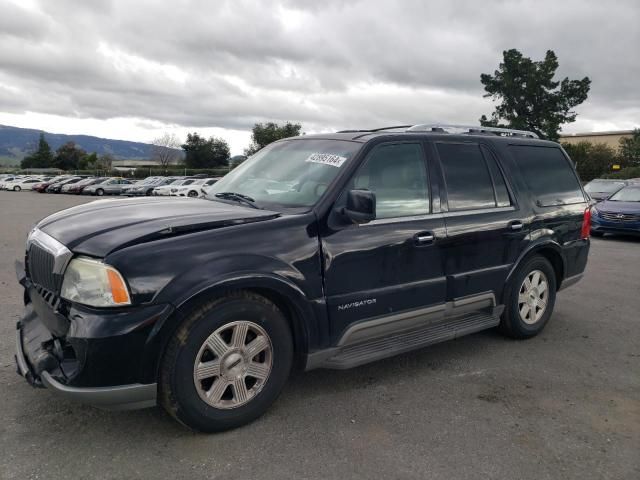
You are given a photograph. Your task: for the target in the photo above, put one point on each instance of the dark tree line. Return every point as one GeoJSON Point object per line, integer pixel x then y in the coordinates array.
{"type": "Point", "coordinates": [68, 157]}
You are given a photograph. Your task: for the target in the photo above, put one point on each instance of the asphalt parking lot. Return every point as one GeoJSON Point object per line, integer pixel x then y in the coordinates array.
{"type": "Point", "coordinates": [565, 404]}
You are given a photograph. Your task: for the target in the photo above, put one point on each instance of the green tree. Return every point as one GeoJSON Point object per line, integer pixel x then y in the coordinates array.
{"type": "Point", "coordinates": [265, 133]}
{"type": "Point", "coordinates": [68, 156]}
{"type": "Point", "coordinates": [592, 160]}
{"type": "Point", "coordinates": [529, 97]}
{"type": "Point", "coordinates": [41, 158]}
{"type": "Point", "coordinates": [629, 149]}
{"type": "Point", "coordinates": [205, 153]}
{"type": "Point", "coordinates": [88, 162]}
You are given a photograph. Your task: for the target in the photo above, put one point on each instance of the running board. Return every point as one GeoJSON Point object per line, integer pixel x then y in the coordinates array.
{"type": "Point", "coordinates": [355, 355]}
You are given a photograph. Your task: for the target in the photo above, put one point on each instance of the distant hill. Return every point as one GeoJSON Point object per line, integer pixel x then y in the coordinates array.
{"type": "Point", "coordinates": [16, 142]}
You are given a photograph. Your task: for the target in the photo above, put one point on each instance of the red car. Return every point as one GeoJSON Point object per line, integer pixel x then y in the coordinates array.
{"type": "Point", "coordinates": [42, 187]}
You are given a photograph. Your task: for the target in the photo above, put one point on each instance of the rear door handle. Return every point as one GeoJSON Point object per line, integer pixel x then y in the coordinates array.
{"type": "Point", "coordinates": [516, 225]}
{"type": "Point", "coordinates": [424, 238]}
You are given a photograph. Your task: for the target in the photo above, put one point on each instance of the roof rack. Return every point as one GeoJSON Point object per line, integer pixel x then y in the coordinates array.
{"type": "Point", "coordinates": [502, 132]}
{"type": "Point", "coordinates": [442, 128]}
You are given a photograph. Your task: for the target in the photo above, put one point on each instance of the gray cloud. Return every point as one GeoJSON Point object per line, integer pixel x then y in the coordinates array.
{"type": "Point", "coordinates": [327, 64]}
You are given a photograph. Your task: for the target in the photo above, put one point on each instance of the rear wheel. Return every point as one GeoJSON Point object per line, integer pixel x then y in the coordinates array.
{"type": "Point", "coordinates": [529, 299]}
{"type": "Point", "coordinates": [227, 363]}
{"type": "Point", "coordinates": [192, 194]}
{"type": "Point", "coordinates": [16, 188]}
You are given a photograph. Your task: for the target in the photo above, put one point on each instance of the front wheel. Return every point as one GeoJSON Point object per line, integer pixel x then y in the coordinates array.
{"type": "Point", "coordinates": [227, 363]}
{"type": "Point", "coordinates": [529, 299]}
{"type": "Point", "coordinates": [99, 192]}
{"type": "Point", "coordinates": [192, 194]}
{"type": "Point", "coordinates": [16, 188]}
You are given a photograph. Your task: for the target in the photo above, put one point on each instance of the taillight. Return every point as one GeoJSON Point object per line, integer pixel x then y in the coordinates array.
{"type": "Point", "coordinates": [586, 224]}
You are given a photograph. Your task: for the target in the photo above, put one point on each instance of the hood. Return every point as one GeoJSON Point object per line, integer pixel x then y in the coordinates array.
{"type": "Point", "coordinates": [101, 227]}
{"type": "Point", "coordinates": [619, 207]}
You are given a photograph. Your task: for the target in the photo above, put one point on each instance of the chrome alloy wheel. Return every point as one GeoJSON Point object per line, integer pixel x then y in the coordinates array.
{"type": "Point", "coordinates": [533, 296]}
{"type": "Point", "coordinates": [233, 365]}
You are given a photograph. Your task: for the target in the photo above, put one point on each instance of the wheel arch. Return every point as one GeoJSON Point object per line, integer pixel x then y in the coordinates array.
{"type": "Point", "coordinates": [286, 296]}
{"type": "Point", "coordinates": [548, 249]}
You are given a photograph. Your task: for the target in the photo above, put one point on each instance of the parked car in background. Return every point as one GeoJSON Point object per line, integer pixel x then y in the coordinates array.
{"type": "Point", "coordinates": [620, 213]}
{"type": "Point", "coordinates": [25, 184]}
{"type": "Point", "coordinates": [76, 188]}
{"type": "Point", "coordinates": [57, 187]}
{"type": "Point", "coordinates": [601, 188]}
{"type": "Point", "coordinates": [193, 189]}
{"type": "Point", "coordinates": [110, 186]}
{"type": "Point", "coordinates": [147, 186]}
{"type": "Point", "coordinates": [66, 186]}
{"type": "Point", "coordinates": [165, 190]}
{"type": "Point", "coordinates": [42, 187]}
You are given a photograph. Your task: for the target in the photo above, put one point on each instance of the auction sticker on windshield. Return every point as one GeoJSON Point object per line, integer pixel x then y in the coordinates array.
{"type": "Point", "coordinates": [326, 159]}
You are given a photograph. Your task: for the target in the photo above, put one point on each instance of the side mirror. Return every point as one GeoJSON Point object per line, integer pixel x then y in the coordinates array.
{"type": "Point", "coordinates": [361, 206]}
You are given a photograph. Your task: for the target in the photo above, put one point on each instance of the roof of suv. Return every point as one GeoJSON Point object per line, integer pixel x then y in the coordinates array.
{"type": "Point", "coordinates": [439, 132]}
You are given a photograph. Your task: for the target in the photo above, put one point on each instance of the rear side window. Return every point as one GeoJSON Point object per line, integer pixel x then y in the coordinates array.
{"type": "Point", "coordinates": [502, 193]}
{"type": "Point", "coordinates": [548, 174]}
{"type": "Point", "coordinates": [467, 177]}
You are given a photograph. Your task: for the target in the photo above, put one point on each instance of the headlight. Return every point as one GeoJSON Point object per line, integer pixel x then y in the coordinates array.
{"type": "Point", "coordinates": [594, 211]}
{"type": "Point", "coordinates": [93, 283]}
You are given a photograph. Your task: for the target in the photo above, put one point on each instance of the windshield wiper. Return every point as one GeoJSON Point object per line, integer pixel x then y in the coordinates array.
{"type": "Point", "coordinates": [238, 197]}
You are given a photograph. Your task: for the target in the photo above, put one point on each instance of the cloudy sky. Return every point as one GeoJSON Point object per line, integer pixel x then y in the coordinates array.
{"type": "Point", "coordinates": [135, 69]}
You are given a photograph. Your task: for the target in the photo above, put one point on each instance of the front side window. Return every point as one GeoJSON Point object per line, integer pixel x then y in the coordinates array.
{"type": "Point", "coordinates": [548, 174]}
{"type": "Point", "coordinates": [290, 173]}
{"type": "Point", "coordinates": [467, 177]}
{"type": "Point", "coordinates": [397, 175]}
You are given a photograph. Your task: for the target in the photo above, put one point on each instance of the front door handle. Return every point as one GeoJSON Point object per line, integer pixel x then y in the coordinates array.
{"type": "Point", "coordinates": [424, 238]}
{"type": "Point", "coordinates": [516, 225]}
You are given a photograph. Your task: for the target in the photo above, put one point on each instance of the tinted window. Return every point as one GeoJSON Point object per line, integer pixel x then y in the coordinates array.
{"type": "Point", "coordinates": [466, 175]}
{"type": "Point", "coordinates": [502, 194]}
{"type": "Point", "coordinates": [397, 175]}
{"type": "Point", "coordinates": [547, 172]}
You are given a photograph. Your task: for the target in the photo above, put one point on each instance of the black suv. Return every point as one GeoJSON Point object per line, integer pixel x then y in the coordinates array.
{"type": "Point", "coordinates": [321, 251]}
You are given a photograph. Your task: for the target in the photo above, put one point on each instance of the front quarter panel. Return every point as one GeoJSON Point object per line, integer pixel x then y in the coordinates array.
{"type": "Point", "coordinates": [280, 254]}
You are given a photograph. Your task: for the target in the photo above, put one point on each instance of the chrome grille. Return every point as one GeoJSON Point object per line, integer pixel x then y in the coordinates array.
{"type": "Point", "coordinates": [620, 217]}
{"type": "Point", "coordinates": [45, 261]}
{"type": "Point", "coordinates": [40, 265]}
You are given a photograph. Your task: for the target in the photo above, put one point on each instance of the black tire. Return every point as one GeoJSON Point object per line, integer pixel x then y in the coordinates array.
{"type": "Point", "coordinates": [192, 194]}
{"type": "Point", "coordinates": [512, 323]}
{"type": "Point", "coordinates": [16, 188]}
{"type": "Point", "coordinates": [177, 389]}
{"type": "Point", "coordinates": [99, 192]}
{"type": "Point", "coordinates": [597, 234]}
{"type": "Point", "coordinates": [149, 192]}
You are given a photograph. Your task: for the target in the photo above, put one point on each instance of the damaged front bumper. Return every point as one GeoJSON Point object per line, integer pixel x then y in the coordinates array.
{"type": "Point", "coordinates": [86, 355]}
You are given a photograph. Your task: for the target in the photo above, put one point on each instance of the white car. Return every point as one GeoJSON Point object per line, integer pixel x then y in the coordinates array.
{"type": "Point", "coordinates": [10, 183]}
{"type": "Point", "coordinates": [165, 190]}
{"type": "Point", "coordinates": [25, 183]}
{"type": "Point", "coordinates": [193, 189]}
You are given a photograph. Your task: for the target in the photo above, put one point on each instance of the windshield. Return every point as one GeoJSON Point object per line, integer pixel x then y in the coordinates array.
{"type": "Point", "coordinates": [292, 173]}
{"type": "Point", "coordinates": [603, 187]}
{"type": "Point", "coordinates": [627, 194]}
